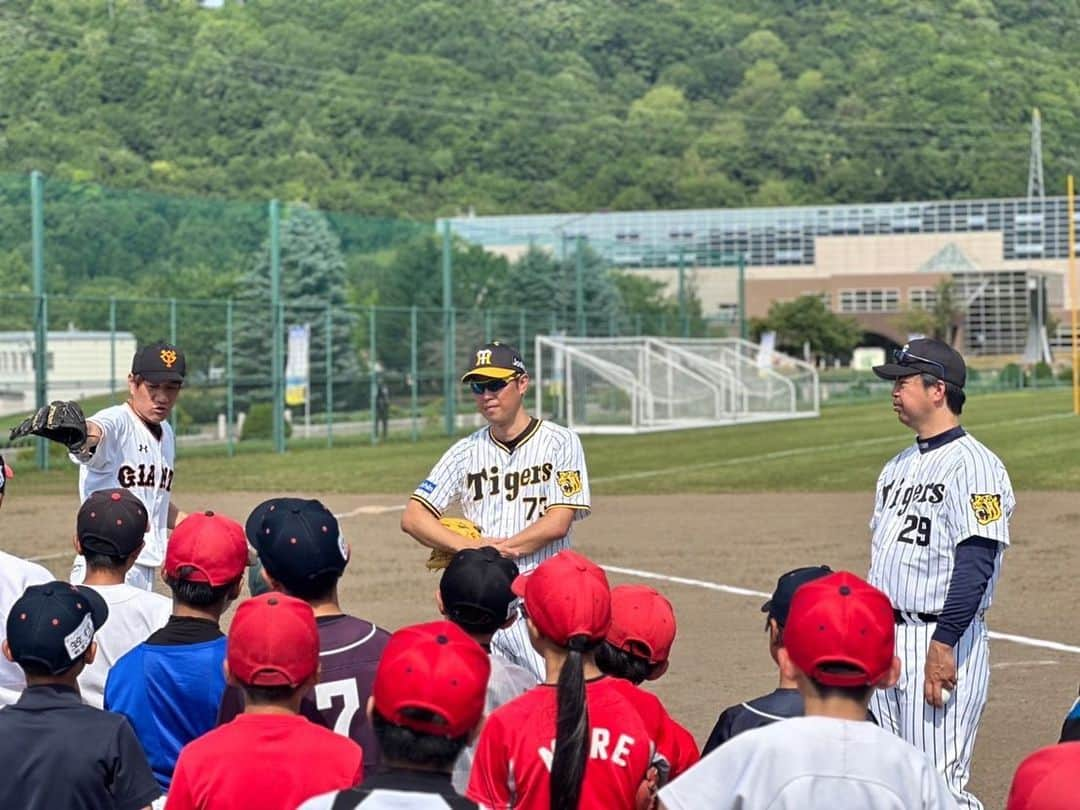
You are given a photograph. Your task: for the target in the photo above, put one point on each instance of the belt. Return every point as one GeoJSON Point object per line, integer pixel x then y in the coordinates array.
{"type": "Point", "coordinates": [910, 617]}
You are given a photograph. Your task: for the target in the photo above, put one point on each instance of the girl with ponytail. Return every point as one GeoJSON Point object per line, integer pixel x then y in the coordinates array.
{"type": "Point", "coordinates": [575, 742]}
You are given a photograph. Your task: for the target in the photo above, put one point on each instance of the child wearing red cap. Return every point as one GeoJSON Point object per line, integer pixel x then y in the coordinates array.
{"type": "Point", "coordinates": [838, 649]}
{"type": "Point", "coordinates": [427, 702]}
{"type": "Point", "coordinates": [170, 686]}
{"type": "Point", "coordinates": [637, 648]}
{"type": "Point", "coordinates": [575, 740]}
{"type": "Point", "coordinates": [1046, 779]}
{"type": "Point", "coordinates": [269, 757]}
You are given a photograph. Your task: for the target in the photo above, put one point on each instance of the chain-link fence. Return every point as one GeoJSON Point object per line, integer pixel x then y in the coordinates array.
{"type": "Point", "coordinates": [382, 312]}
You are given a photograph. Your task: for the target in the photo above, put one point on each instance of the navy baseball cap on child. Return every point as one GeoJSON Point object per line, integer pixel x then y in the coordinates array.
{"type": "Point", "coordinates": [778, 606]}
{"type": "Point", "coordinates": [475, 589]}
{"type": "Point", "coordinates": [51, 625]}
{"type": "Point", "coordinates": [297, 540]}
{"type": "Point", "coordinates": [111, 521]}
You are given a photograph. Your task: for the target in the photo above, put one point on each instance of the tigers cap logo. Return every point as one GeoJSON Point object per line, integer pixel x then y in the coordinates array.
{"type": "Point", "coordinates": [168, 357]}
{"type": "Point", "coordinates": [483, 357]}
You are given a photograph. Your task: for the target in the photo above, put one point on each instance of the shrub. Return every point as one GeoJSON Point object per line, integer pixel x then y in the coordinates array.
{"type": "Point", "coordinates": [259, 423]}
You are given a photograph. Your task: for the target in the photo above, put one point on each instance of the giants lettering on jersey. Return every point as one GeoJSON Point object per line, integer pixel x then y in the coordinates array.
{"type": "Point", "coordinates": [511, 482]}
{"type": "Point", "coordinates": [144, 475]}
{"type": "Point", "coordinates": [600, 748]}
{"type": "Point", "coordinates": [903, 497]}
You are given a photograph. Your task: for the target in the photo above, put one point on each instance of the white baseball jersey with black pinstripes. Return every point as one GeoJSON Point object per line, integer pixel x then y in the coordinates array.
{"type": "Point", "coordinates": [504, 490]}
{"type": "Point", "coordinates": [931, 497]}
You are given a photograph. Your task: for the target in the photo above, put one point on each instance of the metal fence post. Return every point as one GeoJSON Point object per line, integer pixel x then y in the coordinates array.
{"type": "Point", "coordinates": [448, 329]}
{"type": "Point", "coordinates": [373, 385]}
{"type": "Point", "coordinates": [329, 375]}
{"type": "Point", "coordinates": [172, 341]}
{"type": "Point", "coordinates": [277, 362]}
{"type": "Point", "coordinates": [521, 331]}
{"type": "Point", "coordinates": [579, 286]}
{"type": "Point", "coordinates": [229, 404]}
{"type": "Point", "coordinates": [413, 371]}
{"type": "Point", "coordinates": [742, 296]}
{"type": "Point", "coordinates": [112, 345]}
{"type": "Point", "coordinates": [41, 307]}
{"type": "Point", "coordinates": [684, 324]}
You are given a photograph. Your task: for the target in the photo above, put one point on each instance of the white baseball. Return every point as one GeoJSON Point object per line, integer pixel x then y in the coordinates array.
{"type": "Point", "coordinates": [945, 695]}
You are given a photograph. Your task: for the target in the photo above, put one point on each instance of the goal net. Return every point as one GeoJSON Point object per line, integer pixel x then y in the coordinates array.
{"type": "Point", "coordinates": [642, 384]}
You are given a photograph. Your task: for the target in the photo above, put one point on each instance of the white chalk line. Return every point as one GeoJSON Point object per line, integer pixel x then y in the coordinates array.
{"type": "Point", "coordinates": [715, 586]}
{"type": "Point", "coordinates": [1046, 662]}
{"type": "Point", "coordinates": [799, 451]}
{"type": "Point", "coordinates": [370, 510]}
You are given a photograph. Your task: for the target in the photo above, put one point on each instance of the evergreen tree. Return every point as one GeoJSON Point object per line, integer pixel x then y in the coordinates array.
{"type": "Point", "coordinates": [312, 276]}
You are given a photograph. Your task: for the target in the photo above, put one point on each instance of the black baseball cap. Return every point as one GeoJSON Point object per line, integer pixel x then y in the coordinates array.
{"type": "Point", "coordinates": [925, 356]}
{"type": "Point", "coordinates": [475, 589]}
{"type": "Point", "coordinates": [111, 521]}
{"type": "Point", "coordinates": [495, 361]}
{"type": "Point", "coordinates": [51, 625]}
{"type": "Point", "coordinates": [297, 540]}
{"type": "Point", "coordinates": [159, 362]}
{"type": "Point", "coordinates": [780, 603]}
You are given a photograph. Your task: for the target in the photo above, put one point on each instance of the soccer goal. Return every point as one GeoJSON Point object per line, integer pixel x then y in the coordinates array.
{"type": "Point", "coordinates": [643, 384]}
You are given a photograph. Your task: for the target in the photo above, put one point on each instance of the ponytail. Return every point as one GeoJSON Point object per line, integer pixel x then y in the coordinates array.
{"type": "Point", "coordinates": [571, 730]}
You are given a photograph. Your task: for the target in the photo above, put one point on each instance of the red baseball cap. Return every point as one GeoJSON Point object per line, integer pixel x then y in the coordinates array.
{"type": "Point", "coordinates": [273, 641]}
{"type": "Point", "coordinates": [207, 548]}
{"type": "Point", "coordinates": [642, 622]}
{"type": "Point", "coordinates": [436, 667]}
{"type": "Point", "coordinates": [1046, 779]}
{"type": "Point", "coordinates": [565, 596]}
{"type": "Point", "coordinates": [841, 619]}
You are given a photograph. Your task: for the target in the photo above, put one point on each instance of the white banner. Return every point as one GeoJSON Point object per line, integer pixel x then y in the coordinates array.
{"type": "Point", "coordinates": [765, 349]}
{"type": "Point", "coordinates": [297, 366]}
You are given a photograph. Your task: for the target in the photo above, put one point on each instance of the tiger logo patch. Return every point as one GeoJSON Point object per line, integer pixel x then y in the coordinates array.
{"type": "Point", "coordinates": [569, 482]}
{"type": "Point", "coordinates": [987, 508]}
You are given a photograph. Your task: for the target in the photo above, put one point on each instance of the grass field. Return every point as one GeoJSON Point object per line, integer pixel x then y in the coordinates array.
{"type": "Point", "coordinates": [1033, 432]}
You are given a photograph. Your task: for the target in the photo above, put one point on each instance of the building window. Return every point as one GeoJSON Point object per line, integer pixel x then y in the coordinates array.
{"type": "Point", "coordinates": [880, 300]}
{"type": "Point", "coordinates": [922, 297]}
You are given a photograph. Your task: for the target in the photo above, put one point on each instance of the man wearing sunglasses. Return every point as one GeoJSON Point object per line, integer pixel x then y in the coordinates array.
{"type": "Point", "coordinates": [940, 527]}
{"type": "Point", "coordinates": [521, 479]}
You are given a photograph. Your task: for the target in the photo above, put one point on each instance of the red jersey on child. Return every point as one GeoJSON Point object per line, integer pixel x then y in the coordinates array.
{"type": "Point", "coordinates": [263, 762]}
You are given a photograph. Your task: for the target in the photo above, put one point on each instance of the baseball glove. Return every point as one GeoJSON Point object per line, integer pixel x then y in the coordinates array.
{"type": "Point", "coordinates": [58, 421]}
{"type": "Point", "coordinates": [440, 558]}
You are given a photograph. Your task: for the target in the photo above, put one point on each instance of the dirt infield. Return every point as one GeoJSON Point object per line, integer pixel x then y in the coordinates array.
{"type": "Point", "coordinates": [743, 540]}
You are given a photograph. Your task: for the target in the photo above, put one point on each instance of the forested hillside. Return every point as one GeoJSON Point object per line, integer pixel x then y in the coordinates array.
{"type": "Point", "coordinates": [425, 107]}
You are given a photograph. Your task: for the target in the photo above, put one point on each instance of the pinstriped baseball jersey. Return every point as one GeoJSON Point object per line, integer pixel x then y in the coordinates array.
{"type": "Point", "coordinates": [930, 497]}
{"type": "Point", "coordinates": [503, 490]}
{"type": "Point", "coordinates": [130, 456]}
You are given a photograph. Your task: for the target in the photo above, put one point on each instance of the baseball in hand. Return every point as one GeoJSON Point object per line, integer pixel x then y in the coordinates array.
{"type": "Point", "coordinates": [945, 695]}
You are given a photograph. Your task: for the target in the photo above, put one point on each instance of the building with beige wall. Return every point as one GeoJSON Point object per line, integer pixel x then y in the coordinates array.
{"type": "Point", "coordinates": [872, 262]}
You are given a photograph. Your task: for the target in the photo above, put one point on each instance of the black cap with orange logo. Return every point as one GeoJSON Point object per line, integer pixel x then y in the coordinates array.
{"type": "Point", "coordinates": [158, 363]}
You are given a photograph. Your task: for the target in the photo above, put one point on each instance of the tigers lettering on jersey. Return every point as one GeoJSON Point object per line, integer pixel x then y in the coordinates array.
{"type": "Point", "coordinates": [487, 482]}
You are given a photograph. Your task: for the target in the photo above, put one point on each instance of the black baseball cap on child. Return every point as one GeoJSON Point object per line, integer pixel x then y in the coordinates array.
{"type": "Point", "coordinates": [780, 603]}
{"type": "Point", "coordinates": [494, 361]}
{"type": "Point", "coordinates": [297, 540]}
{"type": "Point", "coordinates": [159, 362]}
{"type": "Point", "coordinates": [51, 625]}
{"type": "Point", "coordinates": [475, 589]}
{"type": "Point", "coordinates": [111, 521]}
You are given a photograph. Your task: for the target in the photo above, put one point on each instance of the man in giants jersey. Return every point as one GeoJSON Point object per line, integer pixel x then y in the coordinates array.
{"type": "Point", "coordinates": [520, 479]}
{"type": "Point", "coordinates": [940, 527]}
{"type": "Point", "coordinates": [132, 446]}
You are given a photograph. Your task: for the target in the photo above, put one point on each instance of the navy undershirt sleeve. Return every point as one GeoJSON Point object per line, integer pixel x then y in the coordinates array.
{"type": "Point", "coordinates": [971, 574]}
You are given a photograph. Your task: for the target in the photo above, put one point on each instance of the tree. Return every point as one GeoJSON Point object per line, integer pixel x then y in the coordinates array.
{"type": "Point", "coordinates": [312, 276]}
{"type": "Point", "coordinates": [806, 319]}
{"type": "Point", "coordinates": [941, 319]}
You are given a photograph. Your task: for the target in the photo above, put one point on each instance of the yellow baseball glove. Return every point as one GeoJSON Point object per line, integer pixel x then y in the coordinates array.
{"type": "Point", "coordinates": [440, 558]}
